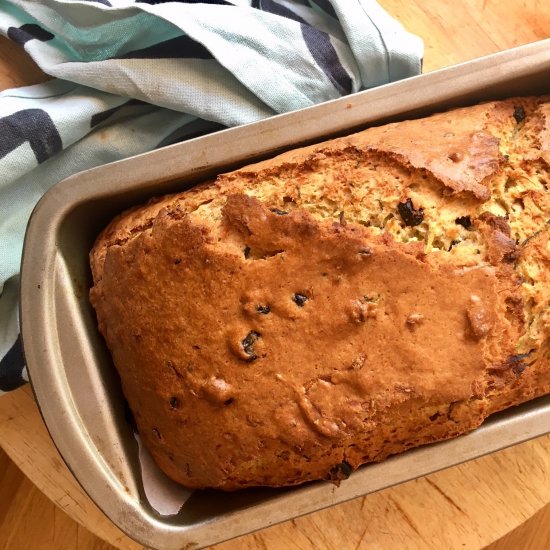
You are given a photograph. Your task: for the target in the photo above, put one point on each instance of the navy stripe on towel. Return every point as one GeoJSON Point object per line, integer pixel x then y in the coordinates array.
{"type": "Point", "coordinates": [318, 44]}
{"type": "Point", "coordinates": [34, 126]}
{"type": "Point", "coordinates": [326, 6]}
{"type": "Point", "coordinates": [322, 50]}
{"type": "Point", "coordinates": [272, 7]}
{"type": "Point", "coordinates": [11, 367]}
{"type": "Point", "coordinates": [181, 47]}
{"type": "Point", "coordinates": [29, 31]}
{"type": "Point", "coordinates": [215, 2]}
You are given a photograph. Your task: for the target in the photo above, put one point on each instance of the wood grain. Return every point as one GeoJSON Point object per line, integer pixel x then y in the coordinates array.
{"type": "Point", "coordinates": [458, 31]}
{"type": "Point", "coordinates": [16, 67]}
{"type": "Point", "coordinates": [502, 500]}
{"type": "Point", "coordinates": [534, 534]}
{"type": "Point", "coordinates": [28, 519]}
{"type": "Point", "coordinates": [24, 438]}
{"type": "Point", "coordinates": [449, 508]}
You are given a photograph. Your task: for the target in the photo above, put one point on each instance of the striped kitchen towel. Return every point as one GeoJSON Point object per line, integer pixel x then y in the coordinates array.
{"type": "Point", "coordinates": [131, 76]}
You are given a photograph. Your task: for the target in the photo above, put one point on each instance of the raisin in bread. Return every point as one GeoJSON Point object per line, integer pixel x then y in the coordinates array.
{"type": "Point", "coordinates": [339, 303]}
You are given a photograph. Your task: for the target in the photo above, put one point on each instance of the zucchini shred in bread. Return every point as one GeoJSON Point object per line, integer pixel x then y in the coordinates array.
{"type": "Point", "coordinates": [339, 303]}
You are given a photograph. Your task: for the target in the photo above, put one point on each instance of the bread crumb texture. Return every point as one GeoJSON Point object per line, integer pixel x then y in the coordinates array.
{"type": "Point", "coordinates": [339, 303]}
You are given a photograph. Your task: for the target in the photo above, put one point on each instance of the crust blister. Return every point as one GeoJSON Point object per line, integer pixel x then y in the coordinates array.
{"type": "Point", "coordinates": [338, 287]}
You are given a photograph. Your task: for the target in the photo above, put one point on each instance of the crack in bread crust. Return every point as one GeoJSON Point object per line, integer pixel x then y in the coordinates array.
{"type": "Point", "coordinates": [338, 303]}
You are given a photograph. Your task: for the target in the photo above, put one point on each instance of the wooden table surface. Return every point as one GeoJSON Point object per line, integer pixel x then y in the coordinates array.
{"type": "Point", "coordinates": [502, 500]}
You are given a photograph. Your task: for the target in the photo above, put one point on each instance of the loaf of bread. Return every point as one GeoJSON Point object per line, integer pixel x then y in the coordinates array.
{"type": "Point", "coordinates": [339, 303]}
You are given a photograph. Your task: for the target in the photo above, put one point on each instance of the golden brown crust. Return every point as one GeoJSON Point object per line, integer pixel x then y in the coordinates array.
{"type": "Point", "coordinates": [302, 316]}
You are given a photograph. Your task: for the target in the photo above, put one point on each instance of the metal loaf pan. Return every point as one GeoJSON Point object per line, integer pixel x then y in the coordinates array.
{"type": "Point", "coordinates": [74, 380]}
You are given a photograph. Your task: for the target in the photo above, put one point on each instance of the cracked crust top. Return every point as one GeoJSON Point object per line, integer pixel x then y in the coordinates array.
{"type": "Point", "coordinates": [339, 303]}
